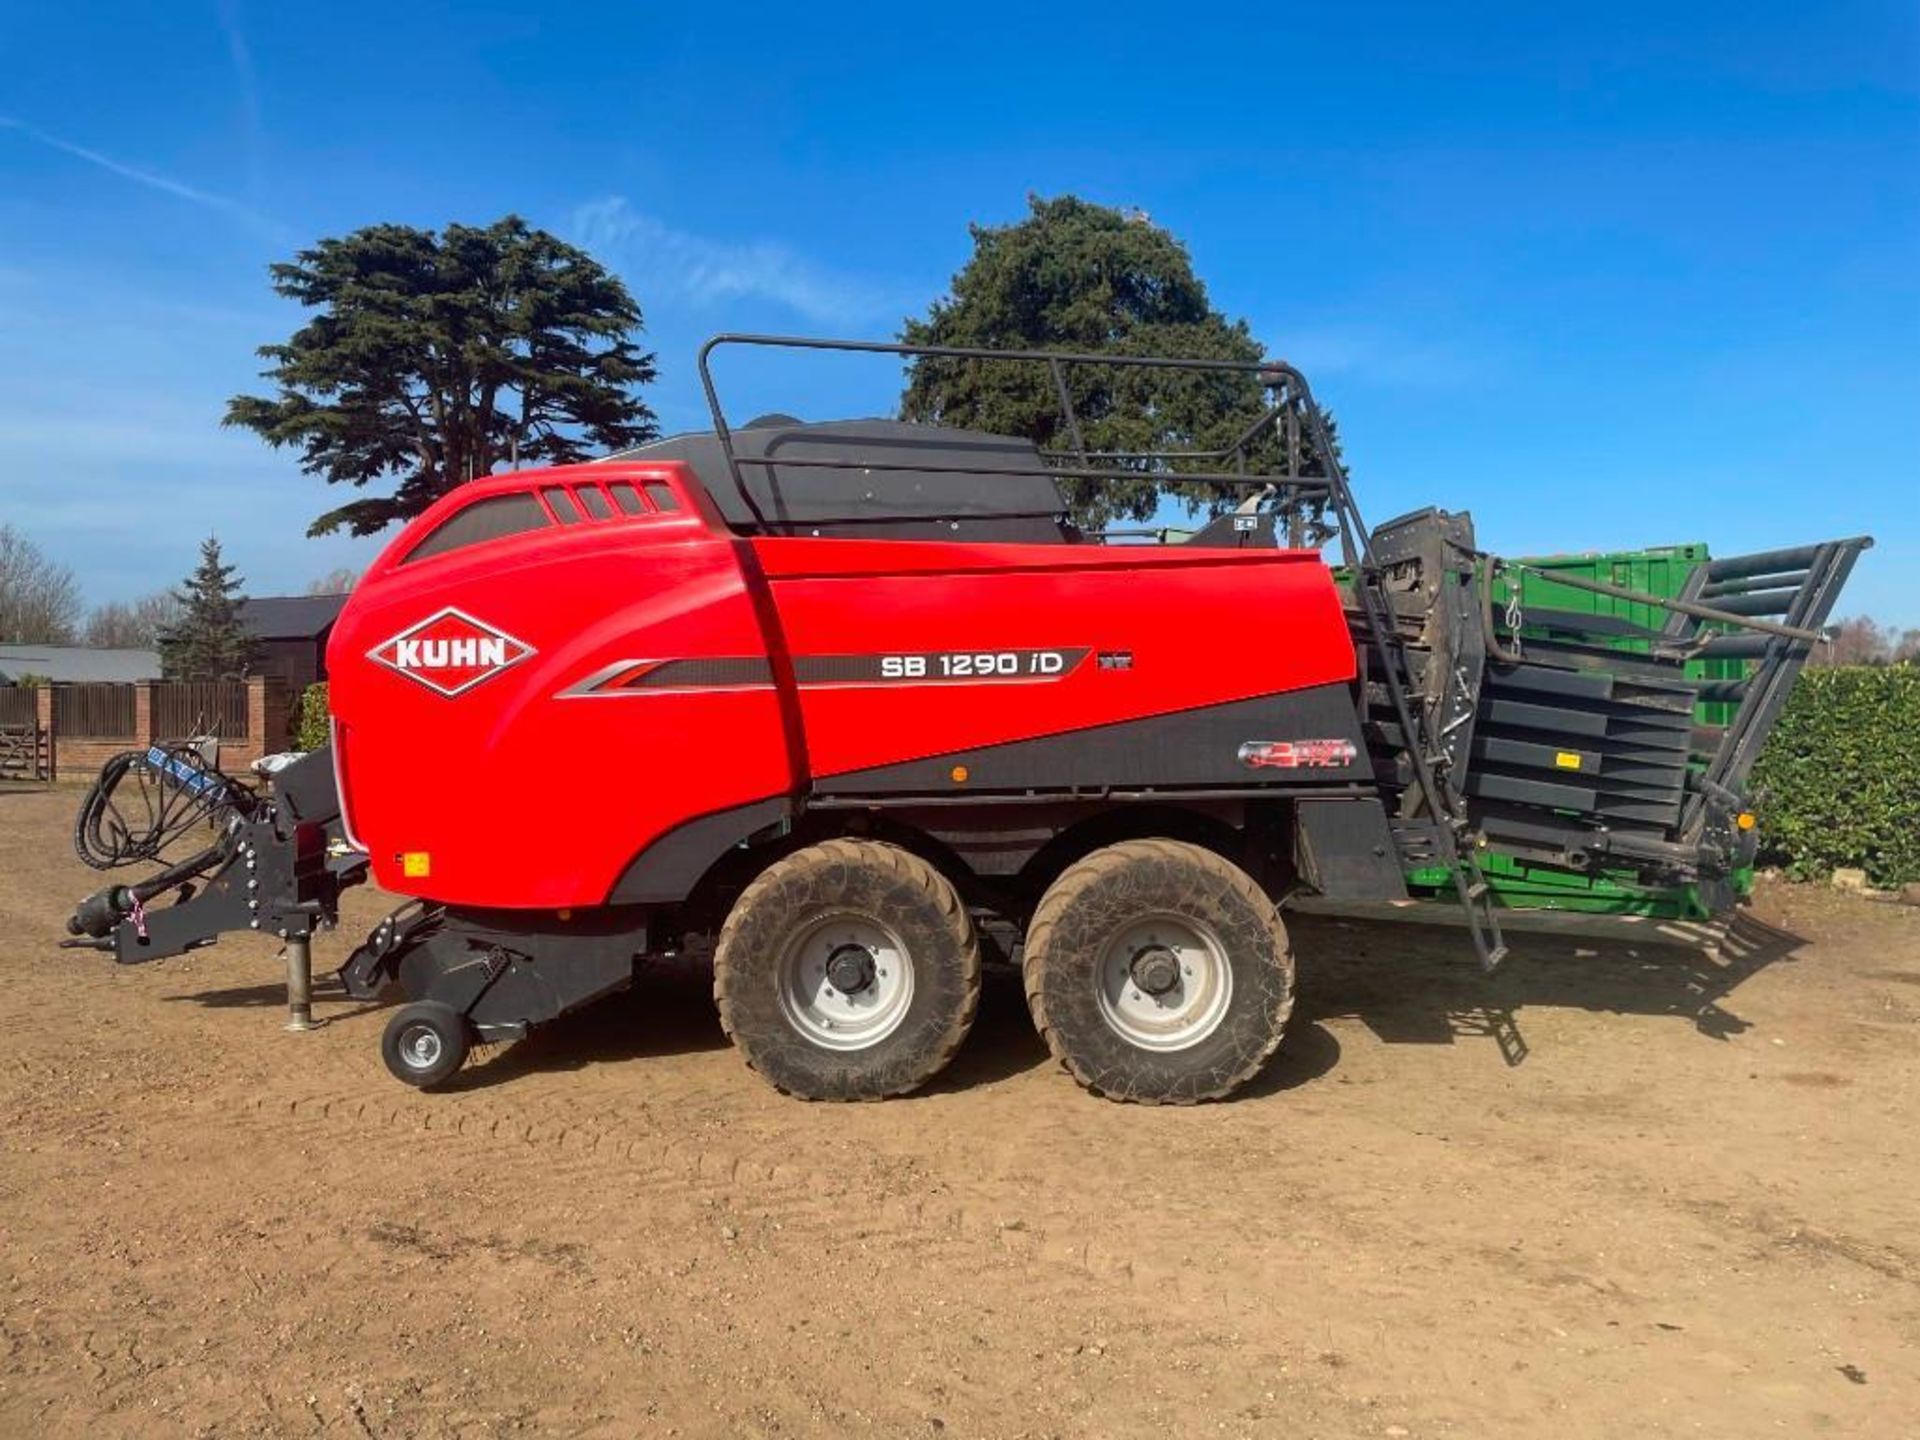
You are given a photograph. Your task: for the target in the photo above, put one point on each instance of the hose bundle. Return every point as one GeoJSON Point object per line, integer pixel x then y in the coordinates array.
{"type": "Point", "coordinates": [145, 800]}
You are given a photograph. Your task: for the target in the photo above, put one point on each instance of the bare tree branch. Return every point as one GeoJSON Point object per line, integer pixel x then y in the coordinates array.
{"type": "Point", "coordinates": [39, 598]}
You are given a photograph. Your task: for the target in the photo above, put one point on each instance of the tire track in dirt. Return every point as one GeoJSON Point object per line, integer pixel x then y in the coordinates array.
{"type": "Point", "coordinates": [568, 1143]}
{"type": "Point", "coordinates": [575, 1150]}
{"type": "Point", "coordinates": [760, 1181]}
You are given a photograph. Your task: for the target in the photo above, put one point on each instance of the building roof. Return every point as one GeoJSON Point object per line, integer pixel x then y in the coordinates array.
{"type": "Point", "coordinates": [77, 663]}
{"type": "Point", "coordinates": [290, 617]}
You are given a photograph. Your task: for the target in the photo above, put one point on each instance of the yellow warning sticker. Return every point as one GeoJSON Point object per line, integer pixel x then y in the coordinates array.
{"type": "Point", "coordinates": [1566, 760]}
{"type": "Point", "coordinates": [416, 864]}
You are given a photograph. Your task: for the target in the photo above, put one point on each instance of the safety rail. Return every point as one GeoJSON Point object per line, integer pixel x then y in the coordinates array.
{"type": "Point", "coordinates": [1285, 416]}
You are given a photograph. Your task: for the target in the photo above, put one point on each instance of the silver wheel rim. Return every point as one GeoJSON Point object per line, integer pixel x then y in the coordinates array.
{"type": "Point", "coordinates": [420, 1047]}
{"type": "Point", "coordinates": [832, 1015]}
{"type": "Point", "coordinates": [1183, 953]}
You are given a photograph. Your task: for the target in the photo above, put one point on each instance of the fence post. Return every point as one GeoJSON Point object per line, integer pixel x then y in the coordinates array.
{"type": "Point", "coordinates": [266, 714]}
{"type": "Point", "coordinates": [143, 712]}
{"type": "Point", "coordinates": [275, 713]}
{"type": "Point", "coordinates": [43, 717]}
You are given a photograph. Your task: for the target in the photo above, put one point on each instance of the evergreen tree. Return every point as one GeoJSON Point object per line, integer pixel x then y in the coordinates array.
{"type": "Point", "coordinates": [208, 642]}
{"type": "Point", "coordinates": [1075, 276]}
{"type": "Point", "coordinates": [435, 358]}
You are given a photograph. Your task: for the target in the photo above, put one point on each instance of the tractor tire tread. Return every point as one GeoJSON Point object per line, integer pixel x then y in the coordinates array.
{"type": "Point", "coordinates": [909, 869]}
{"type": "Point", "coordinates": [1075, 881]}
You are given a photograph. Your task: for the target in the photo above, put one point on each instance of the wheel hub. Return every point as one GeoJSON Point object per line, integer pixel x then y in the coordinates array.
{"type": "Point", "coordinates": [1155, 969]}
{"type": "Point", "coordinates": [420, 1047]}
{"type": "Point", "coordinates": [845, 981]}
{"type": "Point", "coordinates": [1163, 981]}
{"type": "Point", "coordinates": [850, 969]}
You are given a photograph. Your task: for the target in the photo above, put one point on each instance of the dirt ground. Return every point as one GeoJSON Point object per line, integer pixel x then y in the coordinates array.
{"type": "Point", "coordinates": [1620, 1190]}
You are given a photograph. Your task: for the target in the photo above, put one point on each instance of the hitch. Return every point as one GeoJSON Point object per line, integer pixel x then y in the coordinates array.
{"type": "Point", "coordinates": [277, 865]}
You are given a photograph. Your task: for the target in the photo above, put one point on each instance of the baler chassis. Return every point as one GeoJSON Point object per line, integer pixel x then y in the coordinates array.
{"type": "Point", "coordinates": [1479, 721]}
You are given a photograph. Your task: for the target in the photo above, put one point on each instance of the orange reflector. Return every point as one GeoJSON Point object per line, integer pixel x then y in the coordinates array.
{"type": "Point", "coordinates": [959, 773]}
{"type": "Point", "coordinates": [1744, 820]}
{"type": "Point", "coordinates": [416, 864]}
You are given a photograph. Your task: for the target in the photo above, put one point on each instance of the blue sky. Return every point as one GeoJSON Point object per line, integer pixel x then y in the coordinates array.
{"type": "Point", "coordinates": [1606, 276]}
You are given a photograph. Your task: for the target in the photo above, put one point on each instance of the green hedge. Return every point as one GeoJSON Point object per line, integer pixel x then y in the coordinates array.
{"type": "Point", "coordinates": [313, 717]}
{"type": "Point", "coordinates": [1839, 781]}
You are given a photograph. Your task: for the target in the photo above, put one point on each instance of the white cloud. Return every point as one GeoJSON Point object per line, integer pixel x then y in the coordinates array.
{"type": "Point", "coordinates": [702, 271]}
{"type": "Point", "coordinates": [151, 179]}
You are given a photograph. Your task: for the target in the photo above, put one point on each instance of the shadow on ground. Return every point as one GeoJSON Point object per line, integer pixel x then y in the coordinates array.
{"type": "Point", "coordinates": [269, 995]}
{"type": "Point", "coordinates": [1002, 1043]}
{"type": "Point", "coordinates": [331, 1003]}
{"type": "Point", "coordinates": [1419, 984]}
{"type": "Point", "coordinates": [1407, 983]}
{"type": "Point", "coordinates": [669, 1011]}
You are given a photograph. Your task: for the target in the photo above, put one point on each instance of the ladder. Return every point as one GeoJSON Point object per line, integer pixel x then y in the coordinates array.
{"type": "Point", "coordinates": [1453, 840]}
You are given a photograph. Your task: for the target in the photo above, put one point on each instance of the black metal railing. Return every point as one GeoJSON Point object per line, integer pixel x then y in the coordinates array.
{"type": "Point", "coordinates": [1289, 429]}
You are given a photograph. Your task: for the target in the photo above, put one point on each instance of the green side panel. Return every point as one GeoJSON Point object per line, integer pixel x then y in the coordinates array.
{"type": "Point", "coordinates": [1663, 571]}
{"type": "Point", "coordinates": [1519, 886]}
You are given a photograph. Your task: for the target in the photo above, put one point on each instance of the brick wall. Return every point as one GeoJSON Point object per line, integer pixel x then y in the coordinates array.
{"type": "Point", "coordinates": [269, 720]}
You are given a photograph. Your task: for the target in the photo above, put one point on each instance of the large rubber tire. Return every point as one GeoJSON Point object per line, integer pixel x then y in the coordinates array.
{"type": "Point", "coordinates": [1084, 921]}
{"type": "Point", "coordinates": [876, 888]}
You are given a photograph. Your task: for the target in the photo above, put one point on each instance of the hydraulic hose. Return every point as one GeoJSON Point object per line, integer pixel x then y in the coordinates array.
{"type": "Point", "coordinates": [101, 911]}
{"type": "Point", "coordinates": [172, 790]}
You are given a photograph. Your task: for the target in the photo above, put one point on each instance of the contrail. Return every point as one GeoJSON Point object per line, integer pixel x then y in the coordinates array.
{"type": "Point", "coordinates": [153, 181]}
{"type": "Point", "coordinates": [249, 84]}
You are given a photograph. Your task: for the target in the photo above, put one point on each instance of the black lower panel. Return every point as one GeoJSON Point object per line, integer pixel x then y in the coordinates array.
{"type": "Point", "coordinates": [509, 969]}
{"type": "Point", "coordinates": [1200, 747]}
{"type": "Point", "coordinates": [668, 869]}
{"type": "Point", "coordinates": [1346, 851]}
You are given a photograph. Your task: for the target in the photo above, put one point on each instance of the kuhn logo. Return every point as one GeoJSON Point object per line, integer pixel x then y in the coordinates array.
{"type": "Point", "coordinates": [451, 652]}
